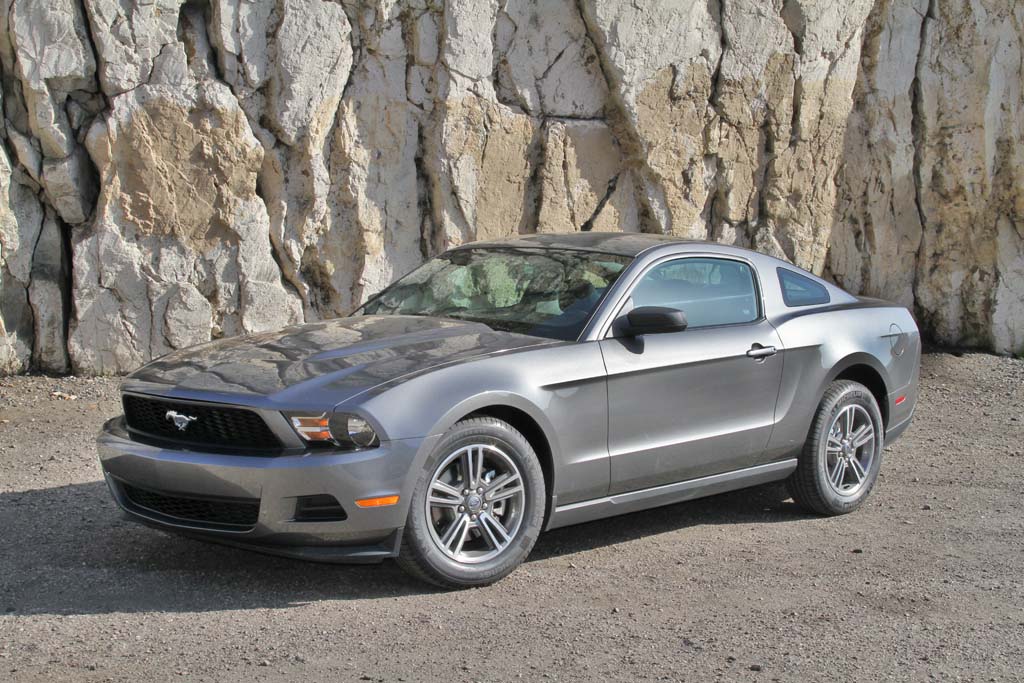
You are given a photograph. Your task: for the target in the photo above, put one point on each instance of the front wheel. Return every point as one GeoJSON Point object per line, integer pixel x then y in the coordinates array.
{"type": "Point", "coordinates": [477, 508]}
{"type": "Point", "coordinates": [843, 453]}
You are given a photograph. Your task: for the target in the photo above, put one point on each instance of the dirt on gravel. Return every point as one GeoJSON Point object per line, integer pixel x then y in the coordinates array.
{"type": "Point", "coordinates": [924, 582]}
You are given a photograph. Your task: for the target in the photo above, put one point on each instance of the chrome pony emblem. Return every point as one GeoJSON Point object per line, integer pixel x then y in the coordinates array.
{"type": "Point", "coordinates": [180, 420]}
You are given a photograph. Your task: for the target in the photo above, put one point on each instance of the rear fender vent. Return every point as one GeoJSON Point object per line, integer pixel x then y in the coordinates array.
{"type": "Point", "coordinates": [319, 508]}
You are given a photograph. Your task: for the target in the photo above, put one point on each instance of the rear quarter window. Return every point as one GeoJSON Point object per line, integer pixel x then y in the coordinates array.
{"type": "Point", "coordinates": [799, 290]}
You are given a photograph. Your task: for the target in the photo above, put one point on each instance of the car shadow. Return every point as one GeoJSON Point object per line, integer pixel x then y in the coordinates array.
{"type": "Point", "coordinates": [68, 550]}
{"type": "Point", "coordinates": [767, 503]}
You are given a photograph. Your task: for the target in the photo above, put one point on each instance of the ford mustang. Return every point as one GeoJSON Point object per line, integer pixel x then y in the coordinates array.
{"type": "Point", "coordinates": [509, 387]}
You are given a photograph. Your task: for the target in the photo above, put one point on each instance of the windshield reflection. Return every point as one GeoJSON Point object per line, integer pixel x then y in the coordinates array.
{"type": "Point", "coordinates": [541, 292]}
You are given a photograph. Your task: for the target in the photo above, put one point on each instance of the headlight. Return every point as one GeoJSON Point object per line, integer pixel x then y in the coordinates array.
{"type": "Point", "coordinates": [338, 429]}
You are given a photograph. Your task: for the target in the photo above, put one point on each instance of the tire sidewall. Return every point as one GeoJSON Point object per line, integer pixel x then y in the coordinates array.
{"type": "Point", "coordinates": [518, 449]}
{"type": "Point", "coordinates": [854, 394]}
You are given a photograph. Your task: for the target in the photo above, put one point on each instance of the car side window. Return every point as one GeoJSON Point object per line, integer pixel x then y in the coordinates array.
{"type": "Point", "coordinates": [798, 290]}
{"type": "Point", "coordinates": [709, 291]}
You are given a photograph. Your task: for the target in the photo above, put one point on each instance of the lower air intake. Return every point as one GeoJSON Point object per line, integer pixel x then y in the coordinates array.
{"type": "Point", "coordinates": [236, 514]}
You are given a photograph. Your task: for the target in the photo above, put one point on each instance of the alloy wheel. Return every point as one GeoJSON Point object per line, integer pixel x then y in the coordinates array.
{"type": "Point", "coordinates": [475, 503]}
{"type": "Point", "coordinates": [849, 450]}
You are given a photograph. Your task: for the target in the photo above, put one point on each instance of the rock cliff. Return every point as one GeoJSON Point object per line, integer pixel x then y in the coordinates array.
{"type": "Point", "coordinates": [179, 171]}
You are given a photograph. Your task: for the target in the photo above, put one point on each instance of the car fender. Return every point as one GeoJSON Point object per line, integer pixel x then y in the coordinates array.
{"type": "Point", "coordinates": [490, 399]}
{"type": "Point", "coordinates": [819, 346]}
{"type": "Point", "coordinates": [849, 361]}
{"type": "Point", "coordinates": [563, 385]}
{"type": "Point", "coordinates": [480, 401]}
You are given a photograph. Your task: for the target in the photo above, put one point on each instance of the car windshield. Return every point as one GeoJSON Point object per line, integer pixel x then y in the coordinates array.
{"type": "Point", "coordinates": [540, 292]}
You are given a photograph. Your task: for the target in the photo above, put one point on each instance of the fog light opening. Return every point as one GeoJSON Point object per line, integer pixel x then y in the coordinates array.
{"type": "Point", "coordinates": [319, 508]}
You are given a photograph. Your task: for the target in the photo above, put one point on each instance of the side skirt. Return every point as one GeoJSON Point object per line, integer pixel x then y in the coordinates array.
{"type": "Point", "coordinates": [623, 503]}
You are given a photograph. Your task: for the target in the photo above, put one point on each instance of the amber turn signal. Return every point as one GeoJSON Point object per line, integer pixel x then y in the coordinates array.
{"type": "Point", "coordinates": [343, 430]}
{"type": "Point", "coordinates": [382, 501]}
{"type": "Point", "coordinates": [313, 428]}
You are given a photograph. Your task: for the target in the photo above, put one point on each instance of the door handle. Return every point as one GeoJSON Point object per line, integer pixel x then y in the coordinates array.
{"type": "Point", "coordinates": [757, 351]}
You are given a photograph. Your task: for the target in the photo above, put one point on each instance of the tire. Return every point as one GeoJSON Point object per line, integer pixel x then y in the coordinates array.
{"type": "Point", "coordinates": [455, 539]}
{"type": "Point", "coordinates": [833, 475]}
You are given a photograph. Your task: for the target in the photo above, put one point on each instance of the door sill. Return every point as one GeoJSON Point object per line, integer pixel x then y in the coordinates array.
{"type": "Point", "coordinates": [666, 494]}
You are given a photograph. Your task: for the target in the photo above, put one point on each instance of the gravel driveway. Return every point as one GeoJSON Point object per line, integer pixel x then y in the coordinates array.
{"type": "Point", "coordinates": [924, 582]}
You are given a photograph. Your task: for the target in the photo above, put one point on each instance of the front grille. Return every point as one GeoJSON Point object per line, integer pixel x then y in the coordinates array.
{"type": "Point", "coordinates": [213, 425]}
{"type": "Point", "coordinates": [240, 513]}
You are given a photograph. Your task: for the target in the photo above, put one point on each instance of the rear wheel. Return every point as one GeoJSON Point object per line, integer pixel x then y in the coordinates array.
{"type": "Point", "coordinates": [843, 453]}
{"type": "Point", "coordinates": [478, 506]}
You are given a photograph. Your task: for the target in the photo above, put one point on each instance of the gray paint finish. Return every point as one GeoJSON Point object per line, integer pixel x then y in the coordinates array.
{"type": "Point", "coordinates": [629, 422]}
{"type": "Point", "coordinates": [688, 404]}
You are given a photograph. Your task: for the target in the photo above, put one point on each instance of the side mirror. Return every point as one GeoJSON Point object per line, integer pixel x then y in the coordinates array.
{"type": "Point", "coordinates": [653, 320]}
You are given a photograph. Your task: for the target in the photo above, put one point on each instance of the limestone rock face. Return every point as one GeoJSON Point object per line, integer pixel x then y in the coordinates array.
{"type": "Point", "coordinates": [21, 222]}
{"type": "Point", "coordinates": [738, 132]}
{"type": "Point", "coordinates": [376, 219]}
{"type": "Point", "coordinates": [53, 58]}
{"type": "Point", "coordinates": [179, 250]}
{"type": "Point", "coordinates": [48, 295]}
{"type": "Point", "coordinates": [545, 63]}
{"type": "Point", "coordinates": [180, 170]}
{"type": "Point", "coordinates": [877, 232]}
{"type": "Point", "coordinates": [971, 176]}
{"type": "Point", "coordinates": [129, 36]}
{"type": "Point", "coordinates": [584, 185]}
{"type": "Point", "coordinates": [932, 213]}
{"type": "Point", "coordinates": [487, 161]}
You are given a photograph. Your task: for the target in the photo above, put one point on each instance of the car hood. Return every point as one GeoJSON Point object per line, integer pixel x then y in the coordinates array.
{"type": "Point", "coordinates": [325, 362]}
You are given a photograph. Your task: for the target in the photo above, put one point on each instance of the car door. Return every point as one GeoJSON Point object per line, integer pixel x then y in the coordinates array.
{"type": "Point", "coordinates": [688, 404]}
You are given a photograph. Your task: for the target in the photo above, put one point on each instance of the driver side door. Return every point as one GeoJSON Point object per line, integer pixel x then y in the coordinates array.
{"type": "Point", "coordinates": [688, 404]}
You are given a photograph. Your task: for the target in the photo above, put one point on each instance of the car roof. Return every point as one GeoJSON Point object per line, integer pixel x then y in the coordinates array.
{"type": "Point", "coordinates": [632, 244]}
{"type": "Point", "coordinates": [620, 243]}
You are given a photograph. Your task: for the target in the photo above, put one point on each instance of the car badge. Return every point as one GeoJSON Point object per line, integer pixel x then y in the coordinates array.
{"type": "Point", "coordinates": [180, 420]}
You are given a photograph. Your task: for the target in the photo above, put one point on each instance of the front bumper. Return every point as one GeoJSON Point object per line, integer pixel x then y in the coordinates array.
{"type": "Point", "coordinates": [275, 484]}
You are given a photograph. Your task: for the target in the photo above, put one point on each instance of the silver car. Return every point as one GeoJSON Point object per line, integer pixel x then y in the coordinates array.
{"type": "Point", "coordinates": [509, 387]}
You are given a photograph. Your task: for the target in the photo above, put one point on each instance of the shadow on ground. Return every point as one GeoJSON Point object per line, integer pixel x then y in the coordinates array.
{"type": "Point", "coordinates": [67, 550]}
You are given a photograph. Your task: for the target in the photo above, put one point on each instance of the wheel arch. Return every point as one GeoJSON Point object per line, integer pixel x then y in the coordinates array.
{"type": "Point", "coordinates": [864, 369]}
{"type": "Point", "coordinates": [527, 418]}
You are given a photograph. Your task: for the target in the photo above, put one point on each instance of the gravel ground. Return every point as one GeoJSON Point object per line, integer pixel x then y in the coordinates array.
{"type": "Point", "coordinates": [923, 582]}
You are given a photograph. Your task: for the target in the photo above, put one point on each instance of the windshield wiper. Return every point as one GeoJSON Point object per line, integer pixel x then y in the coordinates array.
{"type": "Point", "coordinates": [496, 325]}
{"type": "Point", "coordinates": [466, 319]}
{"type": "Point", "coordinates": [514, 326]}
